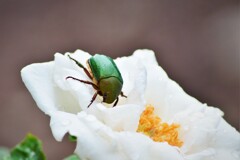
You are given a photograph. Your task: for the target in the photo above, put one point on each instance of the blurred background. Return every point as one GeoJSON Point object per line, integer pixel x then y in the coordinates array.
{"type": "Point", "coordinates": [195, 41]}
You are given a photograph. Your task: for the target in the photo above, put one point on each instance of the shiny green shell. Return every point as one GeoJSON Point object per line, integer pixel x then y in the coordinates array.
{"type": "Point", "coordinates": [107, 75]}
{"type": "Point", "coordinates": [104, 67]}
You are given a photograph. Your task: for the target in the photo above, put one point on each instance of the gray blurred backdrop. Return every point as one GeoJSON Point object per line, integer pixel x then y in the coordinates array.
{"type": "Point", "coordinates": [195, 41]}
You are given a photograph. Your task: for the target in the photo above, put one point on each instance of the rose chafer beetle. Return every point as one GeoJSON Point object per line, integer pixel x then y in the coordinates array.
{"type": "Point", "coordinates": [105, 76]}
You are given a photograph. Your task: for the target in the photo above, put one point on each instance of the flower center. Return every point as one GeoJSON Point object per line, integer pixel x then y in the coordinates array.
{"type": "Point", "coordinates": [152, 126]}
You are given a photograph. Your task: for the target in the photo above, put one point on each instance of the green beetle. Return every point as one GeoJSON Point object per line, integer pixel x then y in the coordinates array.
{"type": "Point", "coordinates": [105, 76]}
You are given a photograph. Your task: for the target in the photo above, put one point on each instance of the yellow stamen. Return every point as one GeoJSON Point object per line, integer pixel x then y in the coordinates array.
{"type": "Point", "coordinates": [152, 126]}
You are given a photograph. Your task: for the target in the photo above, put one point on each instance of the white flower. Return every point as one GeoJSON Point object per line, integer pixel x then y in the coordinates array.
{"type": "Point", "coordinates": [193, 131]}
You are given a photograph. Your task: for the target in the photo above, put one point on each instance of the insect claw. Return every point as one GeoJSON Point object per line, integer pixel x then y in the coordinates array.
{"type": "Point", "coordinates": [122, 94]}
{"type": "Point", "coordinates": [68, 77]}
{"type": "Point", "coordinates": [115, 103]}
{"type": "Point", "coordinates": [92, 100]}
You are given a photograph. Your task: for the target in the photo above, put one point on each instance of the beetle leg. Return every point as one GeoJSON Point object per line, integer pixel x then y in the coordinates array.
{"type": "Point", "coordinates": [115, 103]}
{"type": "Point", "coordinates": [93, 98]}
{"type": "Point", "coordinates": [123, 94]}
{"type": "Point", "coordinates": [86, 82]}
{"type": "Point", "coordinates": [81, 66]}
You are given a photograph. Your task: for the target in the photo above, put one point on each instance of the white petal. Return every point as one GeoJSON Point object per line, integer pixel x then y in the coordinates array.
{"type": "Point", "coordinates": [226, 142]}
{"type": "Point", "coordinates": [201, 128]}
{"type": "Point", "coordinates": [75, 95]}
{"type": "Point", "coordinates": [165, 95]}
{"type": "Point", "coordinates": [96, 141]}
{"type": "Point", "coordinates": [134, 80]}
{"type": "Point", "coordinates": [207, 154]}
{"type": "Point", "coordinates": [48, 85]}
{"type": "Point", "coordinates": [38, 79]}
{"type": "Point", "coordinates": [136, 96]}
{"type": "Point", "coordinates": [120, 118]}
{"type": "Point", "coordinates": [81, 56]}
{"type": "Point", "coordinates": [63, 67]}
{"type": "Point", "coordinates": [206, 134]}
{"type": "Point", "coordinates": [146, 56]}
{"type": "Point", "coordinates": [140, 147]}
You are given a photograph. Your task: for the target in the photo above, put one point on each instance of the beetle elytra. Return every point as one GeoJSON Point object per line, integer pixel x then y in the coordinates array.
{"type": "Point", "coordinates": [105, 77]}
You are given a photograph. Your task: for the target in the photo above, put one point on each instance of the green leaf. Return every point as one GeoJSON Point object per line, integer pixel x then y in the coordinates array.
{"type": "Point", "coordinates": [29, 149]}
{"type": "Point", "coordinates": [72, 157]}
{"type": "Point", "coordinates": [3, 152]}
{"type": "Point", "coordinates": [72, 138]}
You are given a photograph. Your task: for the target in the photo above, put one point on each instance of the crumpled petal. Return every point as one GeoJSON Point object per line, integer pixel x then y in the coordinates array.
{"type": "Point", "coordinates": [164, 94]}
{"type": "Point", "coordinates": [72, 90]}
{"type": "Point", "coordinates": [96, 141]}
{"type": "Point", "coordinates": [120, 118]}
{"type": "Point", "coordinates": [134, 78]}
{"type": "Point", "coordinates": [207, 135]}
{"type": "Point", "coordinates": [38, 80]}
{"type": "Point", "coordinates": [145, 55]}
{"type": "Point", "coordinates": [48, 85]}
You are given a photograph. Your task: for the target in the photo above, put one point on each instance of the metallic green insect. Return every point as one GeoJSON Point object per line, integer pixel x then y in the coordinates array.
{"type": "Point", "coordinates": [105, 76]}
